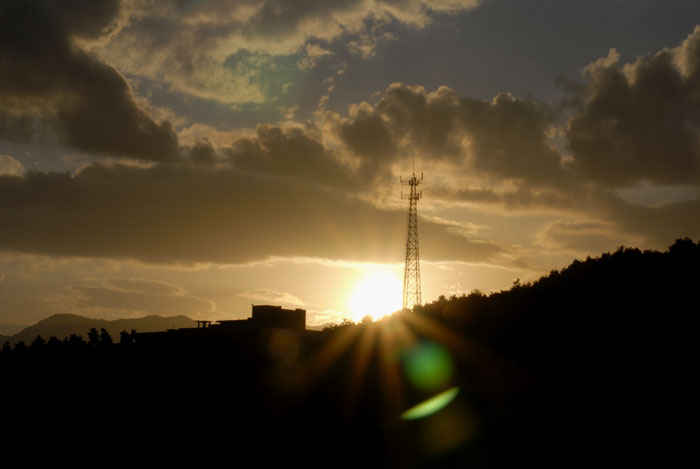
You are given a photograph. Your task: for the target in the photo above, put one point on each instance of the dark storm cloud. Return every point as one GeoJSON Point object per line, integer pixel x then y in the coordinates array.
{"type": "Point", "coordinates": [640, 121]}
{"type": "Point", "coordinates": [46, 76]}
{"type": "Point", "coordinates": [178, 214]}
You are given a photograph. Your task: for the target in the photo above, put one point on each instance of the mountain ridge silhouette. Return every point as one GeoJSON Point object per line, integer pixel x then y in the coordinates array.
{"type": "Point", "coordinates": [62, 325]}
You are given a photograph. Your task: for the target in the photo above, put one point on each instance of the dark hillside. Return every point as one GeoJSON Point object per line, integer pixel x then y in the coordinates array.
{"type": "Point", "coordinates": [616, 300]}
{"type": "Point", "coordinates": [609, 347]}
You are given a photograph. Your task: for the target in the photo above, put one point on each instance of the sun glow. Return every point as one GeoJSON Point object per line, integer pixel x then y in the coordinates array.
{"type": "Point", "coordinates": [376, 294]}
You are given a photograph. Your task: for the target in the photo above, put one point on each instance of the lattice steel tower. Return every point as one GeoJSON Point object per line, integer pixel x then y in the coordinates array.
{"type": "Point", "coordinates": [411, 273]}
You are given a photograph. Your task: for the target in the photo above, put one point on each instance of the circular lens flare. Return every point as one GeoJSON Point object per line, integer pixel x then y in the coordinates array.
{"type": "Point", "coordinates": [428, 365]}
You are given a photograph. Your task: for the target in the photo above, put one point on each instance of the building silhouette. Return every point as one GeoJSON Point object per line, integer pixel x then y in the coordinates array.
{"type": "Point", "coordinates": [264, 318]}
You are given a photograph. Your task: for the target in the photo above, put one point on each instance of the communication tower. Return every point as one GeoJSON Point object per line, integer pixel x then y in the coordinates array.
{"type": "Point", "coordinates": [411, 273]}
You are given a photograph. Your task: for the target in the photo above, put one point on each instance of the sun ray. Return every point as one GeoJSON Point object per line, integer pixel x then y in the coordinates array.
{"type": "Point", "coordinates": [503, 372]}
{"type": "Point", "coordinates": [363, 354]}
{"type": "Point", "coordinates": [330, 353]}
{"type": "Point", "coordinates": [391, 378]}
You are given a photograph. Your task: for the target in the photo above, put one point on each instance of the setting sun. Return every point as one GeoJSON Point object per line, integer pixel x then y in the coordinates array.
{"type": "Point", "coordinates": [376, 294]}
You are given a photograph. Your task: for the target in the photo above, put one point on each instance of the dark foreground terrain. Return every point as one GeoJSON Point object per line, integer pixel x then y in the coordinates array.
{"type": "Point", "coordinates": [593, 365]}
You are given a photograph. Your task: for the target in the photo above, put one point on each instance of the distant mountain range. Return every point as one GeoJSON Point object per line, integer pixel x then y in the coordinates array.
{"type": "Point", "coordinates": [63, 325]}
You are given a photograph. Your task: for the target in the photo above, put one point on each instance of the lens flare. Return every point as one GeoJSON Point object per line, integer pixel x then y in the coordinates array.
{"type": "Point", "coordinates": [428, 365]}
{"type": "Point", "coordinates": [432, 405]}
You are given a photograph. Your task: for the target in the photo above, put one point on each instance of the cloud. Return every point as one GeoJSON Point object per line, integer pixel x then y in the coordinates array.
{"type": "Point", "coordinates": [142, 297]}
{"type": "Point", "coordinates": [364, 46]}
{"type": "Point", "coordinates": [507, 137]}
{"type": "Point", "coordinates": [583, 237]}
{"type": "Point", "coordinates": [137, 285]}
{"type": "Point", "coordinates": [313, 53]}
{"type": "Point", "coordinates": [602, 63]}
{"type": "Point", "coordinates": [16, 125]}
{"type": "Point", "coordinates": [49, 82]}
{"type": "Point", "coordinates": [640, 121]}
{"type": "Point", "coordinates": [320, 318]}
{"type": "Point", "coordinates": [272, 296]}
{"type": "Point", "coordinates": [199, 133]}
{"type": "Point", "coordinates": [368, 136]}
{"type": "Point", "coordinates": [276, 190]}
{"type": "Point", "coordinates": [502, 152]}
{"type": "Point", "coordinates": [170, 214]}
{"type": "Point", "coordinates": [190, 45]}
{"type": "Point", "coordinates": [203, 153]}
{"type": "Point", "coordinates": [289, 152]}
{"type": "Point", "coordinates": [660, 225]}
{"type": "Point", "coordinates": [10, 166]}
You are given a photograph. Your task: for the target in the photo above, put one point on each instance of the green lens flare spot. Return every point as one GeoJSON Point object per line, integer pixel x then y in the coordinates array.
{"type": "Point", "coordinates": [428, 366]}
{"type": "Point", "coordinates": [432, 405]}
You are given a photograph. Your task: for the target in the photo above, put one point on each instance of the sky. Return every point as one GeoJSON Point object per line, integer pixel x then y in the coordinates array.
{"type": "Point", "coordinates": [195, 157]}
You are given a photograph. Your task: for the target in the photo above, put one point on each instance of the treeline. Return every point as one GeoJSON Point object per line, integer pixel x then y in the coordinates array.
{"type": "Point", "coordinates": [614, 300]}
{"type": "Point", "coordinates": [74, 342]}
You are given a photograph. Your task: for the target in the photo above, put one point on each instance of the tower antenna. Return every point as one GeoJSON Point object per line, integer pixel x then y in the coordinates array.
{"type": "Point", "coordinates": [411, 273]}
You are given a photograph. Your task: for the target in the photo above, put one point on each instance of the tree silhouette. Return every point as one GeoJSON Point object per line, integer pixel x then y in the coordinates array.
{"type": "Point", "coordinates": [76, 341]}
{"type": "Point", "coordinates": [93, 337]}
{"type": "Point", "coordinates": [126, 338]}
{"type": "Point", "coordinates": [37, 344]}
{"type": "Point", "coordinates": [105, 338]}
{"type": "Point", "coordinates": [335, 327]}
{"type": "Point", "coordinates": [53, 343]}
